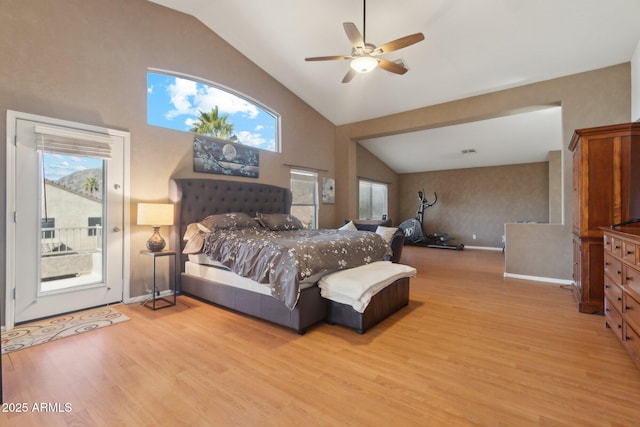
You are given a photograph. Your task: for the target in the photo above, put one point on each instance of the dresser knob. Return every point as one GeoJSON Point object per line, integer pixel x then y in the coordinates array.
{"type": "Point", "coordinates": [619, 299]}
{"type": "Point", "coordinates": [619, 326]}
{"type": "Point", "coordinates": [629, 278]}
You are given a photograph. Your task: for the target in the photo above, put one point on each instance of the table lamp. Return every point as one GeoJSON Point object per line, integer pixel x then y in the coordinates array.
{"type": "Point", "coordinates": [155, 215]}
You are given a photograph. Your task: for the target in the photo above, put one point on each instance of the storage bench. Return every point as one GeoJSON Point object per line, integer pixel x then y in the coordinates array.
{"type": "Point", "coordinates": [360, 297]}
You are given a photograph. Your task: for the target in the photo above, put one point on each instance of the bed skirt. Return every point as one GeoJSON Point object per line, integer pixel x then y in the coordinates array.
{"type": "Point", "coordinates": [386, 302]}
{"type": "Point", "coordinates": [311, 307]}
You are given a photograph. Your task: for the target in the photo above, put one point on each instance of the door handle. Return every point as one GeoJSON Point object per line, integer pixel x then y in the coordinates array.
{"type": "Point", "coordinates": [116, 229]}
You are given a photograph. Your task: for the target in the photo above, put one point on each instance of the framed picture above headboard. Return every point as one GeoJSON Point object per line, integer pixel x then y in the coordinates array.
{"type": "Point", "coordinates": [225, 158]}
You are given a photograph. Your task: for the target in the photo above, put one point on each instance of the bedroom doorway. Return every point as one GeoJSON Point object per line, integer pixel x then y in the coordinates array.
{"type": "Point", "coordinates": [66, 206]}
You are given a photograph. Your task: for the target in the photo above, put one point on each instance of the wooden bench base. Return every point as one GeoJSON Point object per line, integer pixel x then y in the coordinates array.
{"type": "Point", "coordinates": [384, 303]}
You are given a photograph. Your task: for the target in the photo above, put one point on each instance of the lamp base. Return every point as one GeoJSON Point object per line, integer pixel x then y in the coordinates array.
{"type": "Point", "coordinates": [156, 243]}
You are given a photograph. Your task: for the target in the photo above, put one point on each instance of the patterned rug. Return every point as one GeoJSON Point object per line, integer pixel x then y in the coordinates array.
{"type": "Point", "coordinates": [47, 330]}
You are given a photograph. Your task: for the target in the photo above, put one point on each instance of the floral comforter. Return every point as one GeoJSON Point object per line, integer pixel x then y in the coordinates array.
{"type": "Point", "coordinates": [282, 259]}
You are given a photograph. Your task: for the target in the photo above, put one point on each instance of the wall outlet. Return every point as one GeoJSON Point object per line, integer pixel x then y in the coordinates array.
{"type": "Point", "coordinates": [473, 237]}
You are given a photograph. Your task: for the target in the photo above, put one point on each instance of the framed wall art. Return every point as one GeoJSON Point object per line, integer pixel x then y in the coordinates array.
{"type": "Point", "coordinates": [225, 158]}
{"type": "Point", "coordinates": [328, 190]}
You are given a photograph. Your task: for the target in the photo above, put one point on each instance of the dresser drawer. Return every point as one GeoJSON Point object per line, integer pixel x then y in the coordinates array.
{"type": "Point", "coordinates": [608, 243]}
{"type": "Point", "coordinates": [629, 252]}
{"type": "Point", "coordinates": [613, 268]}
{"type": "Point", "coordinates": [632, 342]}
{"type": "Point", "coordinates": [616, 247]}
{"type": "Point", "coordinates": [613, 293]}
{"type": "Point", "coordinates": [631, 311]}
{"type": "Point", "coordinates": [631, 280]}
{"type": "Point", "coordinates": [613, 318]}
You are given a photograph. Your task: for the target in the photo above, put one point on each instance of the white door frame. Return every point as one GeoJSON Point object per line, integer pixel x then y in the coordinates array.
{"type": "Point", "coordinates": [10, 227]}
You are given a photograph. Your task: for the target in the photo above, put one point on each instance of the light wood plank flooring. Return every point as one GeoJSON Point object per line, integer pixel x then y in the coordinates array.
{"type": "Point", "coordinates": [472, 348]}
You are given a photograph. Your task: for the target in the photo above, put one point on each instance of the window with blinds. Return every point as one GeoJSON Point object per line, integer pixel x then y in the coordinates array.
{"type": "Point", "coordinates": [74, 142]}
{"type": "Point", "coordinates": [372, 200]}
{"type": "Point", "coordinates": [304, 188]}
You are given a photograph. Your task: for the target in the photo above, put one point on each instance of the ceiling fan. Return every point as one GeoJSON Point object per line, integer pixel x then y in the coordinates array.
{"type": "Point", "coordinates": [365, 56]}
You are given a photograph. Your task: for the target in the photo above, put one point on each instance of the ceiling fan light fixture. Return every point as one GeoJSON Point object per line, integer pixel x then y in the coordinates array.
{"type": "Point", "coordinates": [364, 64]}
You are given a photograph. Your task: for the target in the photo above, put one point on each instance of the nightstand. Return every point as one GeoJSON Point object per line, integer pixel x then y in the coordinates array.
{"type": "Point", "coordinates": [152, 303]}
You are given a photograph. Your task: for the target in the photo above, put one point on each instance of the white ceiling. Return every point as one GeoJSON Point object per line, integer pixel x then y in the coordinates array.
{"type": "Point", "coordinates": [518, 138]}
{"type": "Point", "coordinates": [471, 47]}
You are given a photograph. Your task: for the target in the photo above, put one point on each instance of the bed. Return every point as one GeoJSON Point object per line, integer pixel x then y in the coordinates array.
{"type": "Point", "coordinates": [297, 308]}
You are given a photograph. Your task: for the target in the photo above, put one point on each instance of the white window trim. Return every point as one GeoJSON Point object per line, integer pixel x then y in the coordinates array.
{"type": "Point", "coordinates": [369, 181]}
{"type": "Point", "coordinates": [10, 273]}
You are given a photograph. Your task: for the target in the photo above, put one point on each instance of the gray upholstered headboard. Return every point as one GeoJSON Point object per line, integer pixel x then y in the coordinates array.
{"type": "Point", "coordinates": [195, 198]}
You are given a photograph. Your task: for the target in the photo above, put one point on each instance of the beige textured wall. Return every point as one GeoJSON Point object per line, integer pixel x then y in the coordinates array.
{"type": "Point", "coordinates": [538, 263]}
{"type": "Point", "coordinates": [478, 200]}
{"type": "Point", "coordinates": [593, 98]}
{"type": "Point", "coordinates": [555, 187]}
{"type": "Point", "coordinates": [87, 61]}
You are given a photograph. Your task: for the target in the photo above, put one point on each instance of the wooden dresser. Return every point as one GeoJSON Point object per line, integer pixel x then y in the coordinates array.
{"type": "Point", "coordinates": [606, 191]}
{"type": "Point", "coordinates": [622, 286]}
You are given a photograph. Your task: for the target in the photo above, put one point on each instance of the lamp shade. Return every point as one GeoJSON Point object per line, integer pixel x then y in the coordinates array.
{"type": "Point", "coordinates": [364, 64]}
{"type": "Point", "coordinates": [155, 214]}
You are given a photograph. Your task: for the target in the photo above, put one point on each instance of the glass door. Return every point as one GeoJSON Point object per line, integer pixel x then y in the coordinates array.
{"type": "Point", "coordinates": [67, 242]}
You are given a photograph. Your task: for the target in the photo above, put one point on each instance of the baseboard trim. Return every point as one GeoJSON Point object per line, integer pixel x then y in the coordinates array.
{"type": "Point", "coordinates": [539, 279]}
{"type": "Point", "coordinates": [483, 248]}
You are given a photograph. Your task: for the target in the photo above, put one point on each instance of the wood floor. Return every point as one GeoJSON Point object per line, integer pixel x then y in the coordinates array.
{"type": "Point", "coordinates": [472, 348]}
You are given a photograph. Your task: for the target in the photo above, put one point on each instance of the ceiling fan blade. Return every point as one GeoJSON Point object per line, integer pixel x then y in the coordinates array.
{"type": "Point", "coordinates": [391, 66]}
{"type": "Point", "coordinates": [400, 43]}
{"type": "Point", "coordinates": [350, 74]}
{"type": "Point", "coordinates": [353, 34]}
{"type": "Point", "coordinates": [327, 58]}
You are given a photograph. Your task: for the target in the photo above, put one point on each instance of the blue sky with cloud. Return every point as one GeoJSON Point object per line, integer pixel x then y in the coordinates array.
{"type": "Point", "coordinates": [175, 103]}
{"type": "Point", "coordinates": [57, 166]}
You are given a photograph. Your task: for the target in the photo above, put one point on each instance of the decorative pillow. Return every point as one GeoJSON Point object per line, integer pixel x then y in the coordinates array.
{"type": "Point", "coordinates": [386, 232]}
{"type": "Point", "coordinates": [192, 229]}
{"type": "Point", "coordinates": [195, 244]}
{"type": "Point", "coordinates": [234, 220]}
{"type": "Point", "coordinates": [279, 222]}
{"type": "Point", "coordinates": [350, 226]}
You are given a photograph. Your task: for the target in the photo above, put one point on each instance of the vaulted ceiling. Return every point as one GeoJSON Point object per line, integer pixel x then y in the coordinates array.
{"type": "Point", "coordinates": [471, 47]}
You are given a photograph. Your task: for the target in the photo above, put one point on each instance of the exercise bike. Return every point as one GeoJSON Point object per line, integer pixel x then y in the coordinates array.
{"type": "Point", "coordinates": [414, 234]}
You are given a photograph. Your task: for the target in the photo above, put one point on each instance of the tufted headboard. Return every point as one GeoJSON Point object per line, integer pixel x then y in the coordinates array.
{"type": "Point", "coordinates": [195, 198]}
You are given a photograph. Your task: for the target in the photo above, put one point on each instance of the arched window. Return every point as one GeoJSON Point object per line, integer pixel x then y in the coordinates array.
{"type": "Point", "coordinates": [184, 104]}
